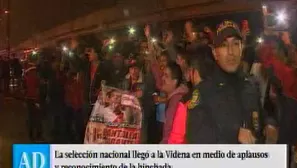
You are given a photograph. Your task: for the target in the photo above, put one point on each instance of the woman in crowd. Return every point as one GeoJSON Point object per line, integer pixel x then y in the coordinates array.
{"type": "Point", "coordinates": [175, 114]}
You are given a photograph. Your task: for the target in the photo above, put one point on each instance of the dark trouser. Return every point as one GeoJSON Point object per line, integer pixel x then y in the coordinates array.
{"type": "Point", "coordinates": [75, 126]}
{"type": "Point", "coordinates": [146, 125]}
{"type": "Point", "coordinates": [86, 112]}
{"type": "Point", "coordinates": [79, 126]}
{"type": "Point", "coordinates": [159, 132]}
{"type": "Point", "coordinates": [288, 125]}
{"type": "Point", "coordinates": [57, 119]}
{"type": "Point", "coordinates": [34, 121]}
{"type": "Point", "coordinates": [1, 84]}
{"type": "Point", "coordinates": [151, 126]}
{"type": "Point", "coordinates": [291, 157]}
{"type": "Point", "coordinates": [6, 82]}
{"type": "Point", "coordinates": [294, 158]}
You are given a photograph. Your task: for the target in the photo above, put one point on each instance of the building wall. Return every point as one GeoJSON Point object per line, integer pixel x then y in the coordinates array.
{"type": "Point", "coordinates": [128, 12]}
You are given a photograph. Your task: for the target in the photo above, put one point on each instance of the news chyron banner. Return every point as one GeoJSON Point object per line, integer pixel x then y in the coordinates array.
{"type": "Point", "coordinates": [149, 156]}
{"type": "Point", "coordinates": [115, 119]}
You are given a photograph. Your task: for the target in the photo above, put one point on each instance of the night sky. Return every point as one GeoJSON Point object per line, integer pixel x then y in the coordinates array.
{"type": "Point", "coordinates": [29, 17]}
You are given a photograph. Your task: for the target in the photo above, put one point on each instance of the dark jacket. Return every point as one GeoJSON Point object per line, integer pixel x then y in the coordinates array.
{"type": "Point", "coordinates": [282, 109]}
{"type": "Point", "coordinates": [91, 87]}
{"type": "Point", "coordinates": [148, 106]}
{"type": "Point", "coordinates": [17, 68]}
{"type": "Point", "coordinates": [287, 120]}
{"type": "Point", "coordinates": [225, 103]}
{"type": "Point", "coordinates": [200, 123]}
{"type": "Point", "coordinates": [82, 65]}
{"type": "Point", "coordinates": [5, 69]}
{"type": "Point", "coordinates": [56, 91]}
{"type": "Point", "coordinates": [44, 71]}
{"type": "Point", "coordinates": [117, 76]}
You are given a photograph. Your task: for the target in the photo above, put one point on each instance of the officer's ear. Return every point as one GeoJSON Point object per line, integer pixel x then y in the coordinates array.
{"type": "Point", "coordinates": [214, 53]}
{"type": "Point", "coordinates": [242, 45]}
{"type": "Point", "coordinates": [197, 76]}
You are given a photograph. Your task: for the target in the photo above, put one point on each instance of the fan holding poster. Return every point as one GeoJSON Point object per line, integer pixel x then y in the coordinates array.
{"type": "Point", "coordinates": [115, 119]}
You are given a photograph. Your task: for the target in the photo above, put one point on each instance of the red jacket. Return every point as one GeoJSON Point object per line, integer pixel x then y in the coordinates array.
{"type": "Point", "coordinates": [175, 118]}
{"type": "Point", "coordinates": [74, 93]}
{"type": "Point", "coordinates": [284, 73]}
{"type": "Point", "coordinates": [178, 132]}
{"type": "Point", "coordinates": [31, 83]}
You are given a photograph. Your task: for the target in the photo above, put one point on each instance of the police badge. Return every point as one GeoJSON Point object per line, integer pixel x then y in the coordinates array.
{"type": "Point", "coordinates": [195, 99]}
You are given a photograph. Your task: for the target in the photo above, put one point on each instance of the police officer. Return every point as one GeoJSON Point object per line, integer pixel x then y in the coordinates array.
{"type": "Point", "coordinates": [200, 126]}
{"type": "Point", "coordinates": [224, 108]}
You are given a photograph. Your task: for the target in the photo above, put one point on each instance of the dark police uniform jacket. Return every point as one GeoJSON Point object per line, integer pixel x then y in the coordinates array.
{"type": "Point", "coordinates": [219, 106]}
{"type": "Point", "coordinates": [283, 110]}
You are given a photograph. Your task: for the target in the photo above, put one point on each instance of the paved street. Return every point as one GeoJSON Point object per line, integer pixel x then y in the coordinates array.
{"type": "Point", "coordinates": [12, 128]}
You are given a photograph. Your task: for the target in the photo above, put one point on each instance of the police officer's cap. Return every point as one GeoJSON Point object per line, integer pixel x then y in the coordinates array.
{"type": "Point", "coordinates": [226, 29]}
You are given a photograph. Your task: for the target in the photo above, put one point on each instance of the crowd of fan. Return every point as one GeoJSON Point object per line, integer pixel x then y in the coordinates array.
{"type": "Point", "coordinates": [60, 93]}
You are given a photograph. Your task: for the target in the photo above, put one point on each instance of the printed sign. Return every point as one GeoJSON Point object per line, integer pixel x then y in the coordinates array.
{"type": "Point", "coordinates": [115, 119]}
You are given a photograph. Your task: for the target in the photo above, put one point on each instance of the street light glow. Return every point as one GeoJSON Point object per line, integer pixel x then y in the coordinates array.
{"type": "Point", "coordinates": [110, 47]}
{"type": "Point", "coordinates": [131, 30]}
{"type": "Point", "coordinates": [260, 40]}
{"type": "Point", "coordinates": [281, 17]}
{"type": "Point", "coordinates": [153, 40]}
{"type": "Point", "coordinates": [65, 49]}
{"type": "Point", "coordinates": [70, 53]}
{"type": "Point", "coordinates": [112, 40]}
{"type": "Point", "coordinates": [34, 52]}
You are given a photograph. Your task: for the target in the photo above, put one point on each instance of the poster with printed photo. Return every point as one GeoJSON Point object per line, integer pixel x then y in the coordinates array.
{"type": "Point", "coordinates": [115, 119]}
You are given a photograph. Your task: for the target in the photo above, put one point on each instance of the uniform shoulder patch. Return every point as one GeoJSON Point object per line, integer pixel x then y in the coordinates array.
{"type": "Point", "coordinates": [195, 100]}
